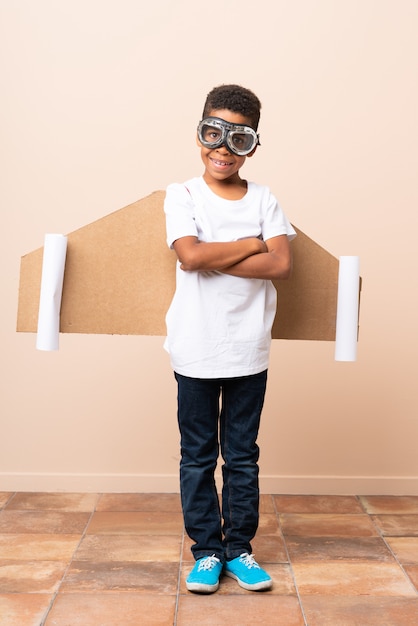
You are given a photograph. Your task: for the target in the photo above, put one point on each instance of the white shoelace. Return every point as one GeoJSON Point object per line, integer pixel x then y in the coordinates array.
{"type": "Point", "coordinates": [208, 563]}
{"type": "Point", "coordinates": [249, 561]}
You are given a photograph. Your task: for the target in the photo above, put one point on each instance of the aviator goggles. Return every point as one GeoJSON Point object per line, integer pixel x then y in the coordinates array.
{"type": "Point", "coordinates": [214, 132]}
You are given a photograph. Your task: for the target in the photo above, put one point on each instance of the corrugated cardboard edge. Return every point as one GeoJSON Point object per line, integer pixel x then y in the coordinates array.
{"type": "Point", "coordinates": [120, 278]}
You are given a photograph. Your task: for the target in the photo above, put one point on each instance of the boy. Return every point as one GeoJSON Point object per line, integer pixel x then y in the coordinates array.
{"type": "Point", "coordinates": [231, 238]}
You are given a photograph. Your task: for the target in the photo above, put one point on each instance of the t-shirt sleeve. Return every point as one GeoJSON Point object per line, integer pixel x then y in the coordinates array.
{"type": "Point", "coordinates": [179, 213]}
{"type": "Point", "coordinates": [275, 222]}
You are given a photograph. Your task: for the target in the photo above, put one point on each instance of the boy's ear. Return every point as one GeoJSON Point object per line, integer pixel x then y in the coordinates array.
{"type": "Point", "coordinates": [197, 141]}
{"type": "Point", "coordinates": [252, 152]}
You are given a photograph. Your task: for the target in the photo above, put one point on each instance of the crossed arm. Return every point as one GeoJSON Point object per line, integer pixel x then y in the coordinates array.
{"type": "Point", "coordinates": [246, 258]}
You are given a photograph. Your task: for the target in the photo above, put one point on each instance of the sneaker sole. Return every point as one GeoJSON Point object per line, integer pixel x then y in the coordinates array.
{"type": "Point", "coordinates": [202, 588]}
{"type": "Point", "coordinates": [262, 585]}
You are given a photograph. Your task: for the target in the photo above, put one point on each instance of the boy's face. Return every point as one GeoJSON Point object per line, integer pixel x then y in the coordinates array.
{"type": "Point", "coordinates": [220, 163]}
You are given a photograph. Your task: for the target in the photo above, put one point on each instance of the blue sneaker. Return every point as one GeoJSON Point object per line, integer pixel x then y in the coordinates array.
{"type": "Point", "coordinates": [248, 573]}
{"type": "Point", "coordinates": [204, 577]}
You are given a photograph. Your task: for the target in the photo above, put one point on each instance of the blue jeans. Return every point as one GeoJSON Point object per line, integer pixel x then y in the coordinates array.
{"type": "Point", "coordinates": [206, 424]}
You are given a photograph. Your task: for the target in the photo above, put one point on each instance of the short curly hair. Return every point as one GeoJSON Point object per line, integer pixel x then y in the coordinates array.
{"type": "Point", "coordinates": [234, 98]}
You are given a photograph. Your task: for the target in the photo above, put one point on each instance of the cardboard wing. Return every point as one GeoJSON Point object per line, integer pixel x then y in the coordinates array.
{"type": "Point", "coordinates": [120, 278]}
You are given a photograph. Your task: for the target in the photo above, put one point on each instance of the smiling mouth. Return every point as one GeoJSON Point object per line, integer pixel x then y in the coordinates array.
{"type": "Point", "coordinates": [220, 163]}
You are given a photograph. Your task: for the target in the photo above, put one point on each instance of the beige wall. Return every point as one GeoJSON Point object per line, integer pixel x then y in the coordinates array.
{"type": "Point", "coordinates": [95, 95]}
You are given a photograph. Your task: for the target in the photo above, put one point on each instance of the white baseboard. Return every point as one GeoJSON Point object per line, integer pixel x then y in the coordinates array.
{"type": "Point", "coordinates": [340, 485]}
{"type": "Point", "coordinates": [90, 483]}
{"type": "Point", "coordinates": [169, 483]}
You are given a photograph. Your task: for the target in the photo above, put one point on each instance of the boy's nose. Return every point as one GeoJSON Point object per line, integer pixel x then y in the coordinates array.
{"type": "Point", "coordinates": [223, 149]}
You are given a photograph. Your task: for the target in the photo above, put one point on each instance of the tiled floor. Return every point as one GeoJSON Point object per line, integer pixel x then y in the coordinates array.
{"type": "Point", "coordinates": [122, 559]}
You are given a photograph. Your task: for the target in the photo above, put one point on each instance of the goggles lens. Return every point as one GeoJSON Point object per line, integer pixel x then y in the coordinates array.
{"type": "Point", "coordinates": [214, 132]}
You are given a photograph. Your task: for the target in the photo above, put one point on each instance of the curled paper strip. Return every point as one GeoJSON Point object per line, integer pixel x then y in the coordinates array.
{"type": "Point", "coordinates": [346, 335]}
{"type": "Point", "coordinates": [53, 264]}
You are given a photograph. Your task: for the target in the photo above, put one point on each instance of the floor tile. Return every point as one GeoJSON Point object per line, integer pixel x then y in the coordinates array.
{"type": "Point", "coordinates": [23, 609]}
{"type": "Point", "coordinates": [4, 498]}
{"type": "Point", "coordinates": [266, 504]}
{"type": "Point", "coordinates": [317, 504]}
{"type": "Point", "coordinates": [164, 502]}
{"type": "Point", "coordinates": [412, 571]}
{"type": "Point", "coordinates": [111, 609]}
{"type": "Point", "coordinates": [31, 576]}
{"type": "Point", "coordinates": [268, 524]}
{"type": "Point", "coordinates": [269, 548]}
{"type": "Point", "coordinates": [252, 608]}
{"type": "Point", "coordinates": [129, 548]}
{"type": "Point", "coordinates": [390, 504]}
{"type": "Point", "coordinates": [338, 548]}
{"type": "Point", "coordinates": [397, 525]}
{"type": "Point", "coordinates": [348, 578]}
{"type": "Point", "coordinates": [186, 552]}
{"type": "Point", "coordinates": [43, 522]}
{"type": "Point", "coordinates": [360, 611]}
{"type": "Point", "coordinates": [81, 502]}
{"type": "Point", "coordinates": [405, 549]}
{"type": "Point", "coordinates": [119, 558]}
{"type": "Point", "coordinates": [135, 523]}
{"type": "Point", "coordinates": [144, 577]}
{"type": "Point", "coordinates": [26, 547]}
{"type": "Point", "coordinates": [327, 525]}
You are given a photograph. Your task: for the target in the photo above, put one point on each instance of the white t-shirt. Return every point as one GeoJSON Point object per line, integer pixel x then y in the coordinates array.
{"type": "Point", "coordinates": [219, 326]}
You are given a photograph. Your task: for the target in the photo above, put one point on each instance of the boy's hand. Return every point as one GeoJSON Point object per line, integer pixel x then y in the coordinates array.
{"type": "Point", "coordinates": [263, 246]}
{"type": "Point", "coordinates": [276, 264]}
